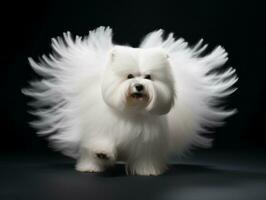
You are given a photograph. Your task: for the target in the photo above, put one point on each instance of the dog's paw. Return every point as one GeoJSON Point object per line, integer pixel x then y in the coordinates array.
{"type": "Point", "coordinates": [147, 170]}
{"type": "Point", "coordinates": [102, 156]}
{"type": "Point", "coordinates": [105, 156]}
{"type": "Point", "coordinates": [148, 173]}
{"type": "Point", "coordinates": [88, 167]}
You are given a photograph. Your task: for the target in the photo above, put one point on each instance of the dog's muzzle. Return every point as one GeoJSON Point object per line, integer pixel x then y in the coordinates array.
{"type": "Point", "coordinates": [138, 92]}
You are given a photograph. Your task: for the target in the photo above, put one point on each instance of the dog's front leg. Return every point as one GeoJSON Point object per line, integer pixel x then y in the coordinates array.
{"type": "Point", "coordinates": [147, 164]}
{"type": "Point", "coordinates": [96, 155]}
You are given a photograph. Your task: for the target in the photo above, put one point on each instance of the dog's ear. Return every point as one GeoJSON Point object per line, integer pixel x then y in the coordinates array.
{"type": "Point", "coordinates": [161, 100]}
{"type": "Point", "coordinates": [157, 108]}
{"type": "Point", "coordinates": [113, 54]}
{"type": "Point", "coordinates": [165, 54]}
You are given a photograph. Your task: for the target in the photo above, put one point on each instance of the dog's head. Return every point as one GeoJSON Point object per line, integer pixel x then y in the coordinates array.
{"type": "Point", "coordinates": [138, 80]}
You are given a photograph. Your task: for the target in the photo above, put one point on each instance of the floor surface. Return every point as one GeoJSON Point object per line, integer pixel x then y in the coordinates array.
{"type": "Point", "coordinates": [214, 175]}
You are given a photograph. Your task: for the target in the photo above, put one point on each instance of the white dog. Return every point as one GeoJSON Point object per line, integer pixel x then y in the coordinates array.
{"type": "Point", "coordinates": [105, 102]}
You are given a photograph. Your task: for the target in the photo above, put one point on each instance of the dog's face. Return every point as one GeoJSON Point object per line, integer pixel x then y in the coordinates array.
{"type": "Point", "coordinates": [138, 80]}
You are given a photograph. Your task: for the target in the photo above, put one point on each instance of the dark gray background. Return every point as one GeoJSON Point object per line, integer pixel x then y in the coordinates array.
{"type": "Point", "coordinates": [233, 169]}
{"type": "Point", "coordinates": [236, 25]}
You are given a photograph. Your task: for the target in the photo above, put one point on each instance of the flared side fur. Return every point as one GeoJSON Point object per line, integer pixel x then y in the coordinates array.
{"type": "Point", "coordinates": [76, 64]}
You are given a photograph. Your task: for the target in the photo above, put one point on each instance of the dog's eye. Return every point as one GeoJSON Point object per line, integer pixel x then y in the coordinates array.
{"type": "Point", "coordinates": [130, 76]}
{"type": "Point", "coordinates": [148, 76]}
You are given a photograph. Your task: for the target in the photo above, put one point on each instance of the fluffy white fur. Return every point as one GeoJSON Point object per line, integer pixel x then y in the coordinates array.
{"type": "Point", "coordinates": [86, 104]}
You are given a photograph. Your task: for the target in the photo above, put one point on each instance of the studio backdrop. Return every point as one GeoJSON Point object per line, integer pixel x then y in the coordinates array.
{"type": "Point", "coordinates": [238, 26]}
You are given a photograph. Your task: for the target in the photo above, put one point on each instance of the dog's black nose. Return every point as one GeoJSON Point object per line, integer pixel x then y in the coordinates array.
{"type": "Point", "coordinates": [139, 87]}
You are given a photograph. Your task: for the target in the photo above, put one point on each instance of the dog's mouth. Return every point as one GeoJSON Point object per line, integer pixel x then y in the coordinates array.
{"type": "Point", "coordinates": [138, 95]}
